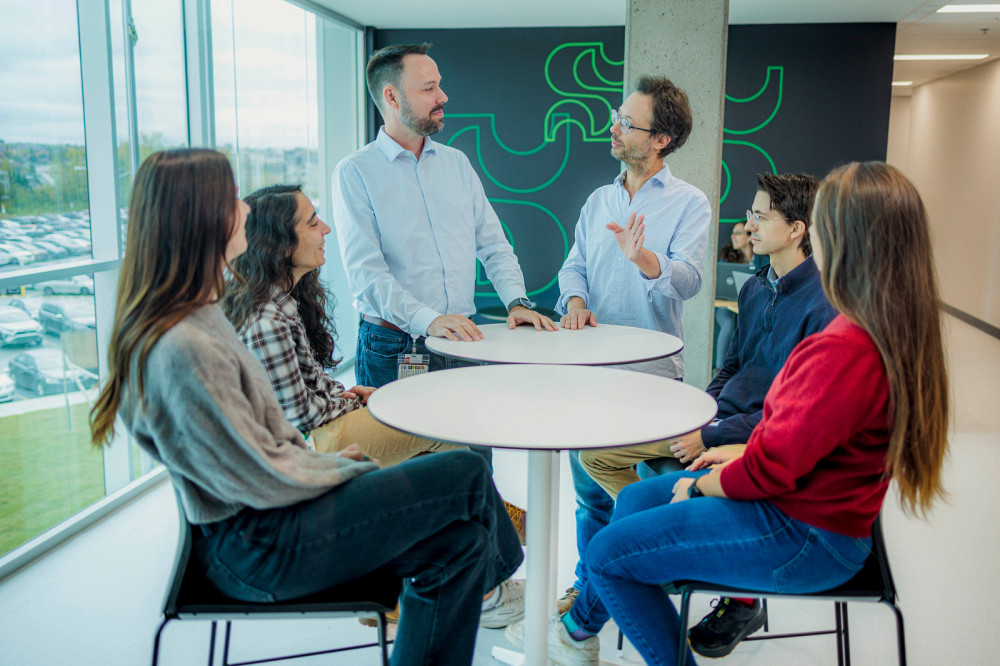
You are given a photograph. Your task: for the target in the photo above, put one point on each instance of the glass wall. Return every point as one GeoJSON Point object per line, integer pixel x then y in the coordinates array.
{"type": "Point", "coordinates": [56, 282]}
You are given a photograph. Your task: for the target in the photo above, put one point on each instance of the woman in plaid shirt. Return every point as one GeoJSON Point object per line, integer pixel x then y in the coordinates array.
{"type": "Point", "coordinates": [279, 310]}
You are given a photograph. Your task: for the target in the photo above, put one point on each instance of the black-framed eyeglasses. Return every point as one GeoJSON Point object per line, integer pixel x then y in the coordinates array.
{"type": "Point", "coordinates": [625, 124]}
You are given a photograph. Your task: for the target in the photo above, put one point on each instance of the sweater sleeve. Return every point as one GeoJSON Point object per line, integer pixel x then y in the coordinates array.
{"type": "Point", "coordinates": [199, 412]}
{"type": "Point", "coordinates": [827, 391]}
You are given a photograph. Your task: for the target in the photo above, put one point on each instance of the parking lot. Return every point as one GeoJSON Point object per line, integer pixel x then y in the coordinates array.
{"type": "Point", "coordinates": [77, 348]}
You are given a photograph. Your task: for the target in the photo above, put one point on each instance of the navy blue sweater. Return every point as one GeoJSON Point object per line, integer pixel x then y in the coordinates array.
{"type": "Point", "coordinates": [771, 322]}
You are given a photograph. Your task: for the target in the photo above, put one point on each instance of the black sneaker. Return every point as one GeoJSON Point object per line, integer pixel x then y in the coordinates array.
{"type": "Point", "coordinates": [721, 630]}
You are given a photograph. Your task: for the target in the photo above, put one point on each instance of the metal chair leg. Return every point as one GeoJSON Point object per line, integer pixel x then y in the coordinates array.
{"type": "Point", "coordinates": [763, 603]}
{"type": "Point", "coordinates": [156, 641]}
{"type": "Point", "coordinates": [682, 647]}
{"type": "Point", "coordinates": [847, 635]}
{"type": "Point", "coordinates": [383, 646]}
{"type": "Point", "coordinates": [900, 638]}
{"type": "Point", "coordinates": [225, 643]}
{"type": "Point", "coordinates": [840, 633]}
{"type": "Point", "coordinates": [621, 641]}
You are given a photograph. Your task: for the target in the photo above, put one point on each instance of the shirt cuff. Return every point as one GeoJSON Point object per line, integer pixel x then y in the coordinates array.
{"type": "Point", "coordinates": [665, 273]}
{"type": "Point", "coordinates": [564, 299]}
{"type": "Point", "coordinates": [422, 321]}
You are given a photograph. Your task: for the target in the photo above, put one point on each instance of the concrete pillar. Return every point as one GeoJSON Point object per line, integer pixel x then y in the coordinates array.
{"type": "Point", "coordinates": [685, 40]}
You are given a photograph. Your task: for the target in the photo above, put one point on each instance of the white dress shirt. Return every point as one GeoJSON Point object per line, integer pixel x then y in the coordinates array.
{"type": "Point", "coordinates": [613, 288]}
{"type": "Point", "coordinates": [410, 232]}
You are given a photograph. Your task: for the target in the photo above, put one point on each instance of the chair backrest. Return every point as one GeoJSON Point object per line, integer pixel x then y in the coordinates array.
{"type": "Point", "coordinates": [181, 559]}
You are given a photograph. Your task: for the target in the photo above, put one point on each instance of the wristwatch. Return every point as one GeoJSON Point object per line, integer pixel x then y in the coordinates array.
{"type": "Point", "coordinates": [694, 490]}
{"type": "Point", "coordinates": [523, 302]}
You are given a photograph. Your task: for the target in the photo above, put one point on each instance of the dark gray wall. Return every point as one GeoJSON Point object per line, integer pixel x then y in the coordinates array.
{"type": "Point", "coordinates": [799, 98]}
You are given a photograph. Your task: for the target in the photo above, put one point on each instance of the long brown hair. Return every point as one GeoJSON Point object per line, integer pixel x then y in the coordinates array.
{"type": "Point", "coordinates": [888, 287]}
{"type": "Point", "coordinates": [180, 218]}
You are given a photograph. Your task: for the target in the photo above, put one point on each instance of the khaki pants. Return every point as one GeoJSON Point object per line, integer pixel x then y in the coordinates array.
{"type": "Point", "coordinates": [387, 445]}
{"type": "Point", "coordinates": [612, 468]}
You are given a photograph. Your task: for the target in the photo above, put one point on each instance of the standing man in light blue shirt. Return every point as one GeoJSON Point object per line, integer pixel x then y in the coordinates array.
{"type": "Point", "coordinates": [640, 245]}
{"type": "Point", "coordinates": [412, 218]}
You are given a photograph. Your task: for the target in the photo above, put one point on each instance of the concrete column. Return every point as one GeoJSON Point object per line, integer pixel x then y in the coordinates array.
{"type": "Point", "coordinates": [685, 40]}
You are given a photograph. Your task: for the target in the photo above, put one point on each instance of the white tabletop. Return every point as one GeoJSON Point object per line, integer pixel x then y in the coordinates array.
{"type": "Point", "coordinates": [605, 344]}
{"type": "Point", "coordinates": [542, 406]}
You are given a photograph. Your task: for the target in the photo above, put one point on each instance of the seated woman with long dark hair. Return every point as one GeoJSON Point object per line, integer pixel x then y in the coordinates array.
{"type": "Point", "coordinates": [277, 520]}
{"type": "Point", "coordinates": [278, 307]}
{"type": "Point", "coordinates": [857, 405]}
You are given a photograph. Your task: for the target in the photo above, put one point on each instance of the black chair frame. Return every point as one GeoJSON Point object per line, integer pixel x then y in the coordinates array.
{"type": "Point", "coordinates": [873, 584]}
{"type": "Point", "coordinates": [190, 596]}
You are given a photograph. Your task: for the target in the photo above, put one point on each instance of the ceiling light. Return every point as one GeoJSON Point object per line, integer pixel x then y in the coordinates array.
{"type": "Point", "coordinates": [968, 9]}
{"type": "Point", "coordinates": [902, 83]}
{"type": "Point", "coordinates": [942, 56]}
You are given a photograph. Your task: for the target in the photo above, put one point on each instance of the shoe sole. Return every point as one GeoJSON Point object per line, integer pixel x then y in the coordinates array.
{"type": "Point", "coordinates": [518, 642]}
{"type": "Point", "coordinates": [715, 653]}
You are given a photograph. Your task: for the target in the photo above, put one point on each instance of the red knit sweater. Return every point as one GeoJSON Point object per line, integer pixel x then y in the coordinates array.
{"type": "Point", "coordinates": [819, 453]}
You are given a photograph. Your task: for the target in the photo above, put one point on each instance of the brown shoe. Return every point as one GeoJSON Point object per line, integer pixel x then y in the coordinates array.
{"type": "Point", "coordinates": [519, 517]}
{"type": "Point", "coordinates": [565, 602]}
{"type": "Point", "coordinates": [391, 617]}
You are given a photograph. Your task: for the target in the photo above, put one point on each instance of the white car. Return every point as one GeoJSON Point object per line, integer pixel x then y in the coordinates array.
{"type": "Point", "coordinates": [6, 387]}
{"type": "Point", "coordinates": [78, 284]}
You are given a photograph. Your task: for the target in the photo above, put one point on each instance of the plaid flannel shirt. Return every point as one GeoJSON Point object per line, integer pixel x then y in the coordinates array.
{"type": "Point", "coordinates": [277, 336]}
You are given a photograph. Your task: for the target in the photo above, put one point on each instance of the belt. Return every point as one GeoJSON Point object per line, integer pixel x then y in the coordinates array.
{"type": "Point", "coordinates": [382, 322]}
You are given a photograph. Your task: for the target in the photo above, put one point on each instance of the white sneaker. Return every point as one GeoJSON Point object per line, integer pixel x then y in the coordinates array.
{"type": "Point", "coordinates": [563, 650]}
{"type": "Point", "coordinates": [509, 607]}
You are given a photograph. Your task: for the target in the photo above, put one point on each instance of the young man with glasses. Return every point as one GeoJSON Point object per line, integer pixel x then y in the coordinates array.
{"type": "Point", "coordinates": [783, 304]}
{"type": "Point", "coordinates": [638, 254]}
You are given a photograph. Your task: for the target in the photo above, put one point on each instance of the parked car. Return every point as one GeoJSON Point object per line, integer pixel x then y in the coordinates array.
{"type": "Point", "coordinates": [17, 328]}
{"type": "Point", "coordinates": [23, 256]}
{"type": "Point", "coordinates": [44, 371]}
{"type": "Point", "coordinates": [28, 304]}
{"type": "Point", "coordinates": [56, 317]}
{"type": "Point", "coordinates": [6, 387]}
{"type": "Point", "coordinates": [8, 259]}
{"type": "Point", "coordinates": [78, 284]}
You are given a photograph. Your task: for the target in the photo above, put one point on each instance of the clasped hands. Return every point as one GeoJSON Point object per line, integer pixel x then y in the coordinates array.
{"type": "Point", "coordinates": [715, 458]}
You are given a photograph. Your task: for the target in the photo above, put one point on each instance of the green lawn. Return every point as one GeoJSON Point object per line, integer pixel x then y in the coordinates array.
{"type": "Point", "coordinates": [50, 471]}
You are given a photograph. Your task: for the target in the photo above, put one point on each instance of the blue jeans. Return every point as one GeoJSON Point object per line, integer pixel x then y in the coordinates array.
{"type": "Point", "coordinates": [593, 512]}
{"type": "Point", "coordinates": [376, 363]}
{"type": "Point", "coordinates": [743, 544]}
{"type": "Point", "coordinates": [434, 520]}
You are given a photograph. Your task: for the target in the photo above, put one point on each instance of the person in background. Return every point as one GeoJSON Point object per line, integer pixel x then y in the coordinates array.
{"type": "Point", "coordinates": [781, 306]}
{"type": "Point", "coordinates": [278, 308]}
{"type": "Point", "coordinates": [857, 405]}
{"type": "Point", "coordinates": [276, 520]}
{"type": "Point", "coordinates": [738, 250]}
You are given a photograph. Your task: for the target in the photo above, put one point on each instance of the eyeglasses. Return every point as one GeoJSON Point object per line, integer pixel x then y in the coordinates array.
{"type": "Point", "coordinates": [625, 124]}
{"type": "Point", "coordinates": [757, 218]}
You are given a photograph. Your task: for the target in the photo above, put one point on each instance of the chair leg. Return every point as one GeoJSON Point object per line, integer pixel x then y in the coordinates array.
{"type": "Point", "coordinates": [383, 646]}
{"type": "Point", "coordinates": [900, 638]}
{"type": "Point", "coordinates": [847, 635]}
{"type": "Point", "coordinates": [211, 645]}
{"type": "Point", "coordinates": [156, 641]}
{"type": "Point", "coordinates": [764, 605]}
{"type": "Point", "coordinates": [840, 634]}
{"type": "Point", "coordinates": [225, 643]}
{"type": "Point", "coordinates": [682, 645]}
{"type": "Point", "coordinates": [621, 641]}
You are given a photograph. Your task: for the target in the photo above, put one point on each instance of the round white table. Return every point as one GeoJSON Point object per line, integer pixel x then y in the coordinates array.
{"type": "Point", "coordinates": [526, 407]}
{"type": "Point", "coordinates": [606, 344]}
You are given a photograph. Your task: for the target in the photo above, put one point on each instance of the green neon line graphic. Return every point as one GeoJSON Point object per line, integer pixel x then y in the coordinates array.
{"type": "Point", "coordinates": [593, 67]}
{"type": "Point", "coordinates": [763, 152]}
{"type": "Point", "coordinates": [559, 225]}
{"type": "Point", "coordinates": [777, 105]}
{"type": "Point", "coordinates": [591, 135]}
{"type": "Point", "coordinates": [729, 181]}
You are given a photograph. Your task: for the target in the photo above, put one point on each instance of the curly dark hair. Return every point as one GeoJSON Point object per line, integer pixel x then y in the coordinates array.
{"type": "Point", "coordinates": [671, 110]}
{"type": "Point", "coordinates": [271, 241]}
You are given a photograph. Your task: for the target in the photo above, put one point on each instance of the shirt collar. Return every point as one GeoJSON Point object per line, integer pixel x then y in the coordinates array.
{"type": "Point", "coordinates": [392, 150]}
{"type": "Point", "coordinates": [662, 176]}
{"type": "Point", "coordinates": [284, 301]}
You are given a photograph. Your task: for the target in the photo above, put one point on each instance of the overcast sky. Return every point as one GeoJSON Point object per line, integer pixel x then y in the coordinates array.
{"type": "Point", "coordinates": [274, 76]}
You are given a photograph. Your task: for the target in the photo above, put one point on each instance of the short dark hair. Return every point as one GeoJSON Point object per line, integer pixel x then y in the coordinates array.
{"type": "Point", "coordinates": [671, 110]}
{"type": "Point", "coordinates": [386, 67]}
{"type": "Point", "coordinates": [792, 195]}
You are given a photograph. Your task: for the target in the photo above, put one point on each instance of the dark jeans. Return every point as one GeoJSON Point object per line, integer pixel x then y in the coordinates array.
{"type": "Point", "coordinates": [435, 520]}
{"type": "Point", "coordinates": [376, 363]}
{"type": "Point", "coordinates": [594, 507]}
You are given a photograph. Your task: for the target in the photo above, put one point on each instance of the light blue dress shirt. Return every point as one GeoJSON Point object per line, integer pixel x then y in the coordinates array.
{"type": "Point", "coordinates": [614, 289]}
{"type": "Point", "coordinates": [410, 232]}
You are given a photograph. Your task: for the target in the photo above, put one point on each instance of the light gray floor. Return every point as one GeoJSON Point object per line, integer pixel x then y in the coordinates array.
{"type": "Point", "coordinates": [96, 600]}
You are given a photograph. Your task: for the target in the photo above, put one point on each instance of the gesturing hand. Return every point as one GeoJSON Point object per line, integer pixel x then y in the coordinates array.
{"type": "Point", "coordinates": [631, 238]}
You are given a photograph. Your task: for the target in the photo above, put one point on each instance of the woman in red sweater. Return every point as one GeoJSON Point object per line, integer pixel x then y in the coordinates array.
{"type": "Point", "coordinates": [863, 402]}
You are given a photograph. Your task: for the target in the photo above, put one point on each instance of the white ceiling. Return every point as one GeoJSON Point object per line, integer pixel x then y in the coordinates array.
{"type": "Point", "coordinates": [920, 29]}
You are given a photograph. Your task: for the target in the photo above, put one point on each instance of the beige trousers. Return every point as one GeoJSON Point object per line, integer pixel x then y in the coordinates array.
{"type": "Point", "coordinates": [612, 468]}
{"type": "Point", "coordinates": [387, 445]}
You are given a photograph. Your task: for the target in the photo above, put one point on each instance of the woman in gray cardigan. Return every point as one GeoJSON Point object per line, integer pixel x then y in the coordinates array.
{"type": "Point", "coordinates": [279, 521]}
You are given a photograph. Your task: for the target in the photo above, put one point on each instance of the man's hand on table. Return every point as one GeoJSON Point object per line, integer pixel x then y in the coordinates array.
{"type": "Point", "coordinates": [522, 315]}
{"type": "Point", "coordinates": [577, 315]}
{"type": "Point", "coordinates": [455, 327]}
{"type": "Point", "coordinates": [687, 447]}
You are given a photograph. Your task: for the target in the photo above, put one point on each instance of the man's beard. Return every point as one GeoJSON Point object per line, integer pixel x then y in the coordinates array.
{"type": "Point", "coordinates": [420, 126]}
{"type": "Point", "coordinates": [634, 157]}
